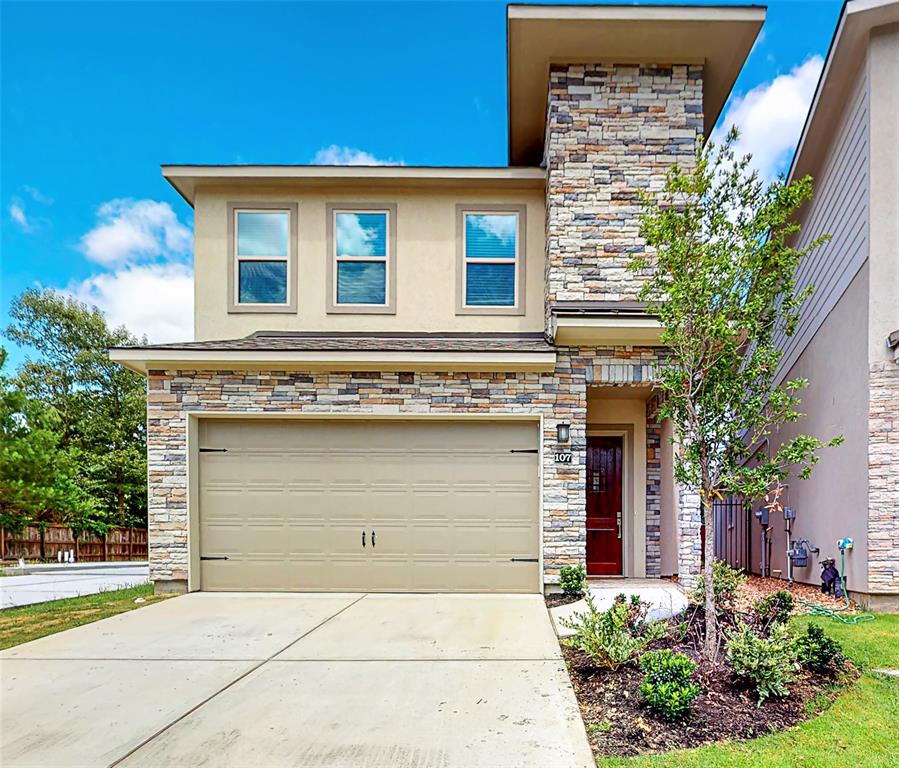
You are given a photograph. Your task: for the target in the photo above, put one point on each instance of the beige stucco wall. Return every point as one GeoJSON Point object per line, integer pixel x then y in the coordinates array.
{"type": "Point", "coordinates": [425, 262]}
{"type": "Point", "coordinates": [669, 503]}
{"type": "Point", "coordinates": [607, 414]}
{"type": "Point", "coordinates": [883, 309]}
{"type": "Point", "coordinates": [833, 503]}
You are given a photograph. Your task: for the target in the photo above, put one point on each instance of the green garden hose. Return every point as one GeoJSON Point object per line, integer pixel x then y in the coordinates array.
{"type": "Point", "coordinates": [816, 609]}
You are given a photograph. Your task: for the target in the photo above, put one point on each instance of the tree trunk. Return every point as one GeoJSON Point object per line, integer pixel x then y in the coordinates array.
{"type": "Point", "coordinates": [710, 649]}
{"type": "Point", "coordinates": [120, 504]}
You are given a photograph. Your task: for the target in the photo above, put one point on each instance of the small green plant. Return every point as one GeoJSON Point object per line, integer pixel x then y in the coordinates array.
{"type": "Point", "coordinates": [668, 688]}
{"type": "Point", "coordinates": [776, 608]}
{"type": "Point", "coordinates": [573, 580]}
{"type": "Point", "coordinates": [614, 637]}
{"type": "Point", "coordinates": [603, 726]}
{"type": "Point", "coordinates": [769, 663]}
{"type": "Point", "coordinates": [726, 583]}
{"type": "Point", "coordinates": [819, 653]}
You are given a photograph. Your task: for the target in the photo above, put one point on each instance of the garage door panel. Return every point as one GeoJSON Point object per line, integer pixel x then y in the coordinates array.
{"type": "Point", "coordinates": [289, 500]}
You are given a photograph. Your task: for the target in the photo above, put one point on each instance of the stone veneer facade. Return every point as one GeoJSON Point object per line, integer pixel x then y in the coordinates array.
{"type": "Point", "coordinates": [560, 395]}
{"type": "Point", "coordinates": [883, 480]}
{"type": "Point", "coordinates": [612, 130]}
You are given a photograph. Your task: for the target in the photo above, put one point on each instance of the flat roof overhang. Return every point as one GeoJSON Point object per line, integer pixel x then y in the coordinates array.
{"type": "Point", "coordinates": [604, 323]}
{"type": "Point", "coordinates": [145, 360]}
{"type": "Point", "coordinates": [719, 37]}
{"type": "Point", "coordinates": [186, 179]}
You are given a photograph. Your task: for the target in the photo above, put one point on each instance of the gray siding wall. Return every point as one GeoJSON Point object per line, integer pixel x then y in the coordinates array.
{"type": "Point", "coordinates": [840, 209]}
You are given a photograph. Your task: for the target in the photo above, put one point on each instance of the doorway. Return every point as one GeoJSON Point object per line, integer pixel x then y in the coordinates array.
{"type": "Point", "coordinates": [605, 506]}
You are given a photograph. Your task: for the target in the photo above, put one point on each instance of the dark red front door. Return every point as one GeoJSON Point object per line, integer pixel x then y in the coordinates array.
{"type": "Point", "coordinates": [604, 505]}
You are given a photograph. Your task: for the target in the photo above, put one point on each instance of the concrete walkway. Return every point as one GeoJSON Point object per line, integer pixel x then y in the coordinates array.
{"type": "Point", "coordinates": [418, 681]}
{"type": "Point", "coordinates": [54, 582]}
{"type": "Point", "coordinates": [665, 600]}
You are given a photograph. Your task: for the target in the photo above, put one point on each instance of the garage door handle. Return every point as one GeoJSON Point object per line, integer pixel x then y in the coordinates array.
{"type": "Point", "coordinates": [363, 538]}
{"type": "Point", "coordinates": [372, 539]}
{"type": "Point", "coordinates": [211, 557]}
{"type": "Point", "coordinates": [524, 559]}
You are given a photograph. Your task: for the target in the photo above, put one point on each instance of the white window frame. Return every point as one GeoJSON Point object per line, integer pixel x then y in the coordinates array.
{"type": "Point", "coordinates": [518, 284]}
{"type": "Point", "coordinates": [389, 258]}
{"type": "Point", "coordinates": [237, 259]}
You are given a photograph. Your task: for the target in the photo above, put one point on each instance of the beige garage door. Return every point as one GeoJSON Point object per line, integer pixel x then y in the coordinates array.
{"type": "Point", "coordinates": [446, 506]}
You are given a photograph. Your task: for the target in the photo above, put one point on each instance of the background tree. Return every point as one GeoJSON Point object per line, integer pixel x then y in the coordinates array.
{"type": "Point", "coordinates": [37, 480]}
{"type": "Point", "coordinates": [101, 405]}
{"type": "Point", "coordinates": [722, 282]}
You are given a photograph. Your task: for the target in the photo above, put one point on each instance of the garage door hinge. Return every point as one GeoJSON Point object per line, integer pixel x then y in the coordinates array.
{"type": "Point", "coordinates": [212, 557]}
{"type": "Point", "coordinates": [213, 450]}
{"type": "Point", "coordinates": [524, 559]}
{"type": "Point", "coordinates": [525, 450]}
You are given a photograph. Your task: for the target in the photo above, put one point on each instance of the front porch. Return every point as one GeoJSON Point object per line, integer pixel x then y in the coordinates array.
{"type": "Point", "coordinates": [632, 505]}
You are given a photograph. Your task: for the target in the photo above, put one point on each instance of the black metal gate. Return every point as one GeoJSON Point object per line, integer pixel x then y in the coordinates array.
{"type": "Point", "coordinates": [732, 531]}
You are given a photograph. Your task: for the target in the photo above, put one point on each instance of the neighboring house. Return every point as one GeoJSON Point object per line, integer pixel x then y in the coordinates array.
{"type": "Point", "coordinates": [846, 343]}
{"type": "Point", "coordinates": [441, 379]}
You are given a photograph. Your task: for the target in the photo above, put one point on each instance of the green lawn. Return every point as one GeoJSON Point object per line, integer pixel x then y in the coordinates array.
{"type": "Point", "coordinates": [19, 625]}
{"type": "Point", "coordinates": [872, 645]}
{"type": "Point", "coordinates": [859, 730]}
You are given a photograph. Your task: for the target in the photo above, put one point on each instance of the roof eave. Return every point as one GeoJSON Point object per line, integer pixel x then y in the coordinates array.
{"type": "Point", "coordinates": [743, 23]}
{"type": "Point", "coordinates": [186, 178]}
{"type": "Point", "coordinates": [145, 360]}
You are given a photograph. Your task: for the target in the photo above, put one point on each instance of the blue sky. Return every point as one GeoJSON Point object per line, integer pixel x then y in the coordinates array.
{"type": "Point", "coordinates": [96, 96]}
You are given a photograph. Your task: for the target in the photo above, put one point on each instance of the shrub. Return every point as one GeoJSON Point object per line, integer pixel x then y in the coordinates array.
{"type": "Point", "coordinates": [726, 583]}
{"type": "Point", "coordinates": [573, 580]}
{"type": "Point", "coordinates": [769, 663]}
{"type": "Point", "coordinates": [667, 687]}
{"type": "Point", "coordinates": [614, 637]}
{"type": "Point", "coordinates": [776, 608]}
{"type": "Point", "coordinates": [819, 653]}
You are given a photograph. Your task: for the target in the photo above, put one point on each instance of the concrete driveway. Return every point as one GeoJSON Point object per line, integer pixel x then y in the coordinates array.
{"type": "Point", "coordinates": [361, 680]}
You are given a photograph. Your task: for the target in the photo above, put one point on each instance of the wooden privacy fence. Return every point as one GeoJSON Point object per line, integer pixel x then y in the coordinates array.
{"type": "Point", "coordinates": [732, 528]}
{"type": "Point", "coordinates": [34, 544]}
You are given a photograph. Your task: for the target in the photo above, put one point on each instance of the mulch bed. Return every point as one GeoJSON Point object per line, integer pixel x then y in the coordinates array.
{"type": "Point", "coordinates": [555, 599]}
{"type": "Point", "coordinates": [726, 710]}
{"type": "Point", "coordinates": [757, 587]}
{"type": "Point", "coordinates": [618, 724]}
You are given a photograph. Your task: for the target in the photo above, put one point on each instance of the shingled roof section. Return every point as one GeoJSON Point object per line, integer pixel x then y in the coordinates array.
{"type": "Point", "coordinates": [287, 341]}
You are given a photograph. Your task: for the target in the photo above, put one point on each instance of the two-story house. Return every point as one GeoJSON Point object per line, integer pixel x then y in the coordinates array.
{"type": "Point", "coordinates": [440, 379]}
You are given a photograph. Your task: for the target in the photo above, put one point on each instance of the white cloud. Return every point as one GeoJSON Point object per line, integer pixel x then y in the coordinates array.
{"type": "Point", "coordinates": [134, 230]}
{"type": "Point", "coordinates": [18, 215]}
{"type": "Point", "coordinates": [155, 300]}
{"type": "Point", "coordinates": [502, 227]}
{"type": "Point", "coordinates": [353, 238]}
{"type": "Point", "coordinates": [38, 196]}
{"type": "Point", "coordinates": [770, 117]}
{"type": "Point", "coordinates": [336, 155]}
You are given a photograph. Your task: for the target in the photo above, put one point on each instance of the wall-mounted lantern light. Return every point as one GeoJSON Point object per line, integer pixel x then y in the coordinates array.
{"type": "Point", "coordinates": [563, 432]}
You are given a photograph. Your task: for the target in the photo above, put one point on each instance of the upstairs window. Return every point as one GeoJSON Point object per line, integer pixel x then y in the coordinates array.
{"type": "Point", "coordinates": [492, 268]}
{"type": "Point", "coordinates": [264, 259]}
{"type": "Point", "coordinates": [361, 245]}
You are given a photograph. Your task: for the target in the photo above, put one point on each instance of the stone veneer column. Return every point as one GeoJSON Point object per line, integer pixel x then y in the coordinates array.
{"type": "Point", "coordinates": [654, 489]}
{"type": "Point", "coordinates": [883, 478]}
{"type": "Point", "coordinates": [689, 544]}
{"type": "Point", "coordinates": [611, 130]}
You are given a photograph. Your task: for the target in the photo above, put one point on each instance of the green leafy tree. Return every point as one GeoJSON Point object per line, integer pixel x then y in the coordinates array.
{"type": "Point", "coordinates": [722, 282]}
{"type": "Point", "coordinates": [37, 481]}
{"type": "Point", "coordinates": [101, 405]}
